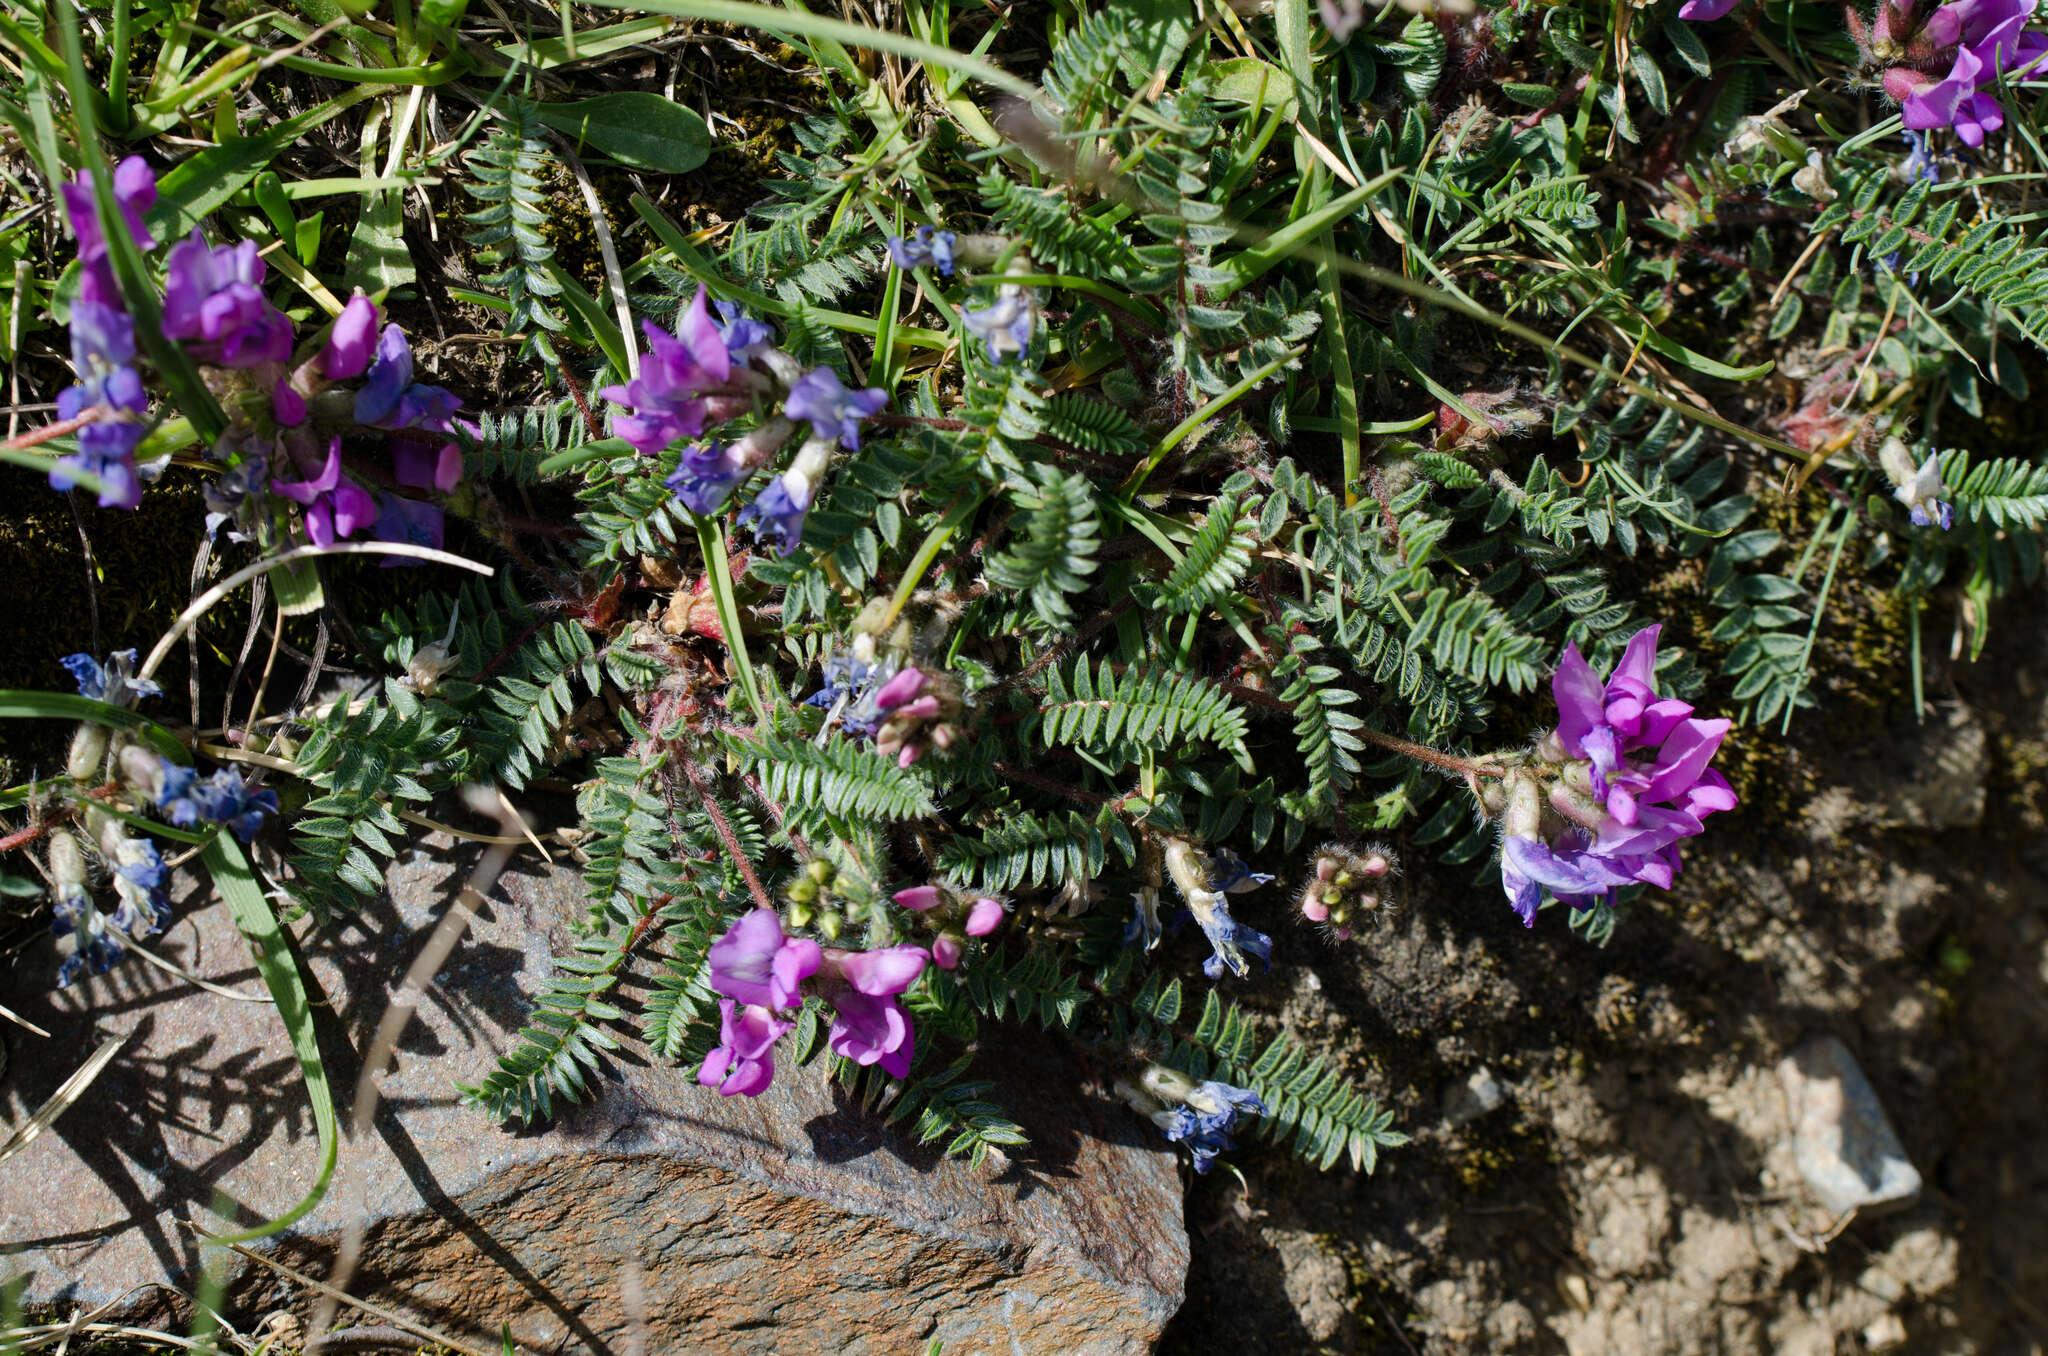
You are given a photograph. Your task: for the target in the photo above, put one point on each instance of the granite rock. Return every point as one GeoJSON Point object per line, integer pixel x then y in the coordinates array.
{"type": "Point", "coordinates": [661, 1217]}
{"type": "Point", "coordinates": [1842, 1141]}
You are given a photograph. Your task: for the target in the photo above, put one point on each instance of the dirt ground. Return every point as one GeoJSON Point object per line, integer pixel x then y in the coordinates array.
{"type": "Point", "coordinates": [1887, 883]}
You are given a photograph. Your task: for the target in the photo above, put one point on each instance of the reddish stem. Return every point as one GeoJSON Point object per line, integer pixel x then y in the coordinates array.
{"type": "Point", "coordinates": [56, 430]}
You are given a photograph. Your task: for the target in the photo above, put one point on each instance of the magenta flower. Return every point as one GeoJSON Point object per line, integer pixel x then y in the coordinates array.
{"type": "Point", "coordinates": [756, 964]}
{"type": "Point", "coordinates": [871, 1026]}
{"type": "Point", "coordinates": [1703, 11]}
{"type": "Point", "coordinates": [335, 506]}
{"type": "Point", "coordinates": [919, 898]}
{"type": "Point", "coordinates": [214, 305]}
{"type": "Point", "coordinates": [352, 342]}
{"type": "Point", "coordinates": [1632, 780]}
{"type": "Point", "coordinates": [743, 1062]}
{"type": "Point", "coordinates": [1954, 102]}
{"type": "Point", "coordinates": [667, 398]}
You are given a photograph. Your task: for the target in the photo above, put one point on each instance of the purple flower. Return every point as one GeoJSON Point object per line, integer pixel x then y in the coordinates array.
{"type": "Point", "coordinates": [1005, 325]}
{"type": "Point", "coordinates": [1972, 21]}
{"type": "Point", "coordinates": [335, 506]}
{"type": "Point", "coordinates": [742, 1064]}
{"type": "Point", "coordinates": [922, 248]}
{"type": "Point", "coordinates": [833, 411]}
{"type": "Point", "coordinates": [141, 881]}
{"type": "Point", "coordinates": [706, 476]}
{"type": "Point", "coordinates": [220, 799]}
{"type": "Point", "coordinates": [678, 370]}
{"type": "Point", "coordinates": [1701, 11]}
{"type": "Point", "coordinates": [410, 521]}
{"type": "Point", "coordinates": [352, 343]}
{"type": "Point", "coordinates": [1953, 102]}
{"type": "Point", "coordinates": [744, 337]}
{"type": "Point", "coordinates": [1201, 1115]}
{"type": "Point", "coordinates": [777, 513]}
{"type": "Point", "coordinates": [413, 466]}
{"type": "Point", "coordinates": [389, 398]}
{"type": "Point", "coordinates": [134, 193]}
{"type": "Point", "coordinates": [1631, 781]}
{"type": "Point", "coordinates": [870, 1025]}
{"type": "Point", "coordinates": [757, 965]}
{"type": "Point", "coordinates": [214, 305]}
{"type": "Point", "coordinates": [103, 352]}
{"type": "Point", "coordinates": [113, 682]}
{"type": "Point", "coordinates": [1229, 939]}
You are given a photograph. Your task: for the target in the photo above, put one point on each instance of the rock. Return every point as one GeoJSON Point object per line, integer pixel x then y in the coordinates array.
{"type": "Point", "coordinates": [1472, 1097]}
{"type": "Point", "coordinates": [792, 1222]}
{"type": "Point", "coordinates": [1844, 1146]}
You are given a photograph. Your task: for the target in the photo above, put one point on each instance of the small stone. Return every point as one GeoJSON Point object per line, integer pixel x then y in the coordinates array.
{"type": "Point", "coordinates": [1843, 1144]}
{"type": "Point", "coordinates": [1477, 1094]}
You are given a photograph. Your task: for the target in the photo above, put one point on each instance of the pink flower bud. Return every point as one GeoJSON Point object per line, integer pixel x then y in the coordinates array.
{"type": "Point", "coordinates": [900, 689]}
{"type": "Point", "coordinates": [918, 898]}
{"type": "Point", "coordinates": [921, 709]}
{"type": "Point", "coordinates": [985, 917]}
{"type": "Point", "coordinates": [1315, 910]}
{"type": "Point", "coordinates": [909, 754]}
{"type": "Point", "coordinates": [946, 951]}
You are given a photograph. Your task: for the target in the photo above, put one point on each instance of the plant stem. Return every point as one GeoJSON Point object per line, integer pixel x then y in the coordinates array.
{"type": "Point", "coordinates": [725, 833]}
{"type": "Point", "coordinates": [1422, 753]}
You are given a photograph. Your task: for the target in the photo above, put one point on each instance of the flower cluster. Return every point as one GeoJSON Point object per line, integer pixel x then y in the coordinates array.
{"type": "Point", "coordinates": [92, 940]}
{"type": "Point", "coordinates": [215, 309]}
{"type": "Point", "coordinates": [103, 343]}
{"type": "Point", "coordinates": [113, 682]}
{"type": "Point", "coordinates": [1204, 879]}
{"type": "Point", "coordinates": [711, 370]}
{"type": "Point", "coordinates": [955, 918]}
{"type": "Point", "coordinates": [904, 709]}
{"type": "Point", "coordinates": [1609, 792]}
{"type": "Point", "coordinates": [223, 798]}
{"type": "Point", "coordinates": [1200, 1115]}
{"type": "Point", "coordinates": [761, 973]}
{"type": "Point", "coordinates": [1343, 884]}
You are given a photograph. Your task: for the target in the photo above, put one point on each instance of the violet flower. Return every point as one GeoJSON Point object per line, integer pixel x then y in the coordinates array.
{"type": "Point", "coordinates": [1954, 102]}
{"type": "Point", "coordinates": [222, 798]}
{"type": "Point", "coordinates": [777, 513]}
{"type": "Point", "coordinates": [833, 411]}
{"type": "Point", "coordinates": [1005, 325]}
{"type": "Point", "coordinates": [1198, 1115]}
{"type": "Point", "coordinates": [870, 1025]}
{"type": "Point", "coordinates": [924, 247]}
{"type": "Point", "coordinates": [759, 966]}
{"type": "Point", "coordinates": [390, 398]}
{"type": "Point", "coordinates": [412, 522]}
{"type": "Point", "coordinates": [1918, 488]}
{"type": "Point", "coordinates": [214, 305]}
{"type": "Point", "coordinates": [413, 466]}
{"type": "Point", "coordinates": [352, 343]}
{"type": "Point", "coordinates": [707, 475]}
{"type": "Point", "coordinates": [676, 373]}
{"type": "Point", "coordinates": [1703, 11]}
{"type": "Point", "coordinates": [335, 506]}
{"type": "Point", "coordinates": [141, 882]}
{"type": "Point", "coordinates": [134, 194]}
{"type": "Point", "coordinates": [744, 337]}
{"type": "Point", "coordinates": [742, 1064]}
{"type": "Point", "coordinates": [113, 682]}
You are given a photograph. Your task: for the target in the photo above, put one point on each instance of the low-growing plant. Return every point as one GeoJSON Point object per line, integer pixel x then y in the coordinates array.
{"type": "Point", "coordinates": [1203, 465]}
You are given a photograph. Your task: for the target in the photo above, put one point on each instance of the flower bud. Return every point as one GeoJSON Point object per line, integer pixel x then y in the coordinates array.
{"type": "Point", "coordinates": [946, 951]}
{"type": "Point", "coordinates": [820, 870]}
{"type": "Point", "coordinates": [141, 769]}
{"type": "Point", "coordinates": [918, 898]}
{"type": "Point", "coordinates": [1168, 1085]}
{"type": "Point", "coordinates": [1577, 806]}
{"type": "Point", "coordinates": [1524, 814]}
{"type": "Point", "coordinates": [88, 750]}
{"type": "Point", "coordinates": [985, 917]}
{"type": "Point", "coordinates": [803, 890]}
{"type": "Point", "coordinates": [831, 925]}
{"type": "Point", "coordinates": [67, 863]}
